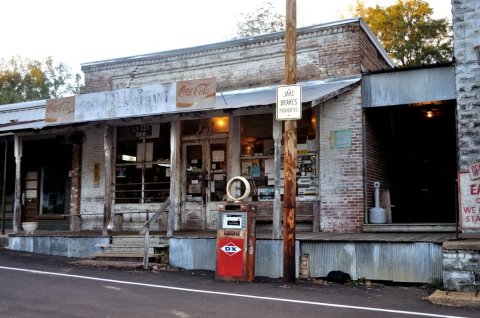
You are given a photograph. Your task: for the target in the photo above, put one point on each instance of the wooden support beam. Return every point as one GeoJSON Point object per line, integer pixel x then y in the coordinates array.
{"type": "Point", "coordinates": [17, 210]}
{"type": "Point", "coordinates": [75, 222]}
{"type": "Point", "coordinates": [277, 201]}
{"type": "Point", "coordinates": [175, 183]}
{"type": "Point", "coordinates": [107, 211]}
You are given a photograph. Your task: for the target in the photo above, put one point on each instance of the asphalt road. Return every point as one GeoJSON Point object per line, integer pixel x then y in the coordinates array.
{"type": "Point", "coordinates": [34, 285]}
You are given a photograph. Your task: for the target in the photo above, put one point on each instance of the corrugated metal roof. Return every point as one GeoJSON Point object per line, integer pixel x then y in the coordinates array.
{"type": "Point", "coordinates": [409, 87]}
{"type": "Point", "coordinates": [26, 115]}
{"type": "Point", "coordinates": [31, 115]}
{"type": "Point", "coordinates": [313, 92]}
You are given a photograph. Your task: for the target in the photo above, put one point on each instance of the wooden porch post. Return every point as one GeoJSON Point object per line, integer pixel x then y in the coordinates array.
{"type": "Point", "coordinates": [175, 183]}
{"type": "Point", "coordinates": [277, 202]}
{"type": "Point", "coordinates": [75, 224]}
{"type": "Point", "coordinates": [234, 141]}
{"type": "Point", "coordinates": [107, 210]}
{"type": "Point", "coordinates": [17, 210]}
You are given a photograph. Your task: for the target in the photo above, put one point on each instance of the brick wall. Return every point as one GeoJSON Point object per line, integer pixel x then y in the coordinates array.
{"type": "Point", "coordinates": [341, 169]}
{"type": "Point", "coordinates": [322, 52]}
{"type": "Point", "coordinates": [92, 194]}
{"type": "Point", "coordinates": [466, 22]}
{"type": "Point", "coordinates": [375, 145]}
{"type": "Point", "coordinates": [371, 60]}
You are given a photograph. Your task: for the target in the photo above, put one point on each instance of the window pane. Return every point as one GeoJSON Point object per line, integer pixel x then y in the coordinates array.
{"type": "Point", "coordinates": [143, 163]}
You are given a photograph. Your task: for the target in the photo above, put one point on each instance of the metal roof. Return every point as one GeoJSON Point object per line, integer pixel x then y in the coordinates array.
{"type": "Point", "coordinates": [413, 86]}
{"type": "Point", "coordinates": [31, 115]}
{"type": "Point", "coordinates": [26, 115]}
{"type": "Point", "coordinates": [313, 92]}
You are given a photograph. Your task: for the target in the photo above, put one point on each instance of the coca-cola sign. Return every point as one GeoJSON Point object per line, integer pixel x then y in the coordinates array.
{"type": "Point", "coordinates": [60, 110]}
{"type": "Point", "coordinates": [196, 93]}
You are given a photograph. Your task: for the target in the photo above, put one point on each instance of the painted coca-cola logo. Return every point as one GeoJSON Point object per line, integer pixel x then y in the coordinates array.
{"type": "Point", "coordinates": [201, 89]}
{"type": "Point", "coordinates": [196, 93]}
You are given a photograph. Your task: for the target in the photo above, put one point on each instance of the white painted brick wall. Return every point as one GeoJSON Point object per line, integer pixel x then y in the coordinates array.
{"type": "Point", "coordinates": [92, 198]}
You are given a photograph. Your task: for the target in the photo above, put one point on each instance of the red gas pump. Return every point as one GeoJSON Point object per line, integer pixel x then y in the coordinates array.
{"type": "Point", "coordinates": [236, 242]}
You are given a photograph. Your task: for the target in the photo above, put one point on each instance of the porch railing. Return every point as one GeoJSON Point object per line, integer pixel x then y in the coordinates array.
{"type": "Point", "coordinates": [145, 230]}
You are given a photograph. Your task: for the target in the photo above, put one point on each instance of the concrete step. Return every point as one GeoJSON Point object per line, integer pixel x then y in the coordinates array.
{"type": "Point", "coordinates": [131, 248]}
{"type": "Point", "coordinates": [160, 258]}
{"type": "Point", "coordinates": [137, 239]}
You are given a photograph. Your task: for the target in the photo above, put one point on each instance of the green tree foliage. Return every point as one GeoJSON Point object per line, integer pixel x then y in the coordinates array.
{"type": "Point", "coordinates": [408, 32]}
{"type": "Point", "coordinates": [261, 21]}
{"type": "Point", "coordinates": [26, 80]}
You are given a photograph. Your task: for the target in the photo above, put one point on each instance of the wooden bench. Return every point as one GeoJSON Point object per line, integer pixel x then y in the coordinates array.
{"type": "Point", "coordinates": [304, 212]}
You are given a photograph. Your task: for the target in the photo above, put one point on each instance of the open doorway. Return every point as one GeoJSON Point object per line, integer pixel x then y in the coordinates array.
{"type": "Point", "coordinates": [45, 181]}
{"type": "Point", "coordinates": [411, 150]}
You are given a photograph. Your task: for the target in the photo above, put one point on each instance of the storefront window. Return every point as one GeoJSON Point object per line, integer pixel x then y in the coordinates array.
{"type": "Point", "coordinates": [257, 151]}
{"type": "Point", "coordinates": [258, 162]}
{"type": "Point", "coordinates": [142, 170]}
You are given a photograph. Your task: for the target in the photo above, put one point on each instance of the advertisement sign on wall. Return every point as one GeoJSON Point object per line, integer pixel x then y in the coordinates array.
{"type": "Point", "coordinates": [469, 203]}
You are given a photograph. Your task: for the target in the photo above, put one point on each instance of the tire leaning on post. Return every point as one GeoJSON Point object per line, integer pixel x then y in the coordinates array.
{"type": "Point", "coordinates": [247, 188]}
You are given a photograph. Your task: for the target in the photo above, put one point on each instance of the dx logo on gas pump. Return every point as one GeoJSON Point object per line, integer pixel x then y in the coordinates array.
{"type": "Point", "coordinates": [230, 249]}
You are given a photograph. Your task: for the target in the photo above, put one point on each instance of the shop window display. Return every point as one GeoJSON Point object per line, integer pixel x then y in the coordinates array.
{"type": "Point", "coordinates": [142, 170]}
{"type": "Point", "coordinates": [257, 156]}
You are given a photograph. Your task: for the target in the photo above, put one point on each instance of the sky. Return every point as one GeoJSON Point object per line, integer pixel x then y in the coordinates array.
{"type": "Point", "coordinates": [76, 32]}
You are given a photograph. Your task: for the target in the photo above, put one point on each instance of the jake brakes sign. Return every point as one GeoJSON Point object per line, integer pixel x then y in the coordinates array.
{"type": "Point", "coordinates": [289, 102]}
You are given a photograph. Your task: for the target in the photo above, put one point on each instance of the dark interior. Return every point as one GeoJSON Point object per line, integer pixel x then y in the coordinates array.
{"type": "Point", "coordinates": [418, 146]}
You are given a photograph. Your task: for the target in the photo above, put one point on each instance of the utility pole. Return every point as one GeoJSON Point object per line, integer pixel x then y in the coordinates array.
{"type": "Point", "coordinates": [290, 143]}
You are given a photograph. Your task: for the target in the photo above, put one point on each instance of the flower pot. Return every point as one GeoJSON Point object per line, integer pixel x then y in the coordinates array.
{"type": "Point", "coordinates": [29, 227]}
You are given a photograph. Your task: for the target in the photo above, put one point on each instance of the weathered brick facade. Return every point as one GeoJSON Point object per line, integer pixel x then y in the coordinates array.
{"type": "Point", "coordinates": [340, 49]}
{"type": "Point", "coordinates": [329, 51]}
{"type": "Point", "coordinates": [466, 21]}
{"type": "Point", "coordinates": [341, 170]}
{"type": "Point", "coordinates": [93, 191]}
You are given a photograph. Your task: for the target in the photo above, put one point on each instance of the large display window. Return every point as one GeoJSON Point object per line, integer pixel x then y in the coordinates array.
{"type": "Point", "coordinates": [142, 169]}
{"type": "Point", "coordinates": [258, 156]}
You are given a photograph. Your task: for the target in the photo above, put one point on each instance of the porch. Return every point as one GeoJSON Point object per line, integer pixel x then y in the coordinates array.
{"type": "Point", "coordinates": [399, 257]}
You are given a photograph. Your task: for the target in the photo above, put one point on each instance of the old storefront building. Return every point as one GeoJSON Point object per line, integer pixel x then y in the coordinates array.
{"type": "Point", "coordinates": [135, 139]}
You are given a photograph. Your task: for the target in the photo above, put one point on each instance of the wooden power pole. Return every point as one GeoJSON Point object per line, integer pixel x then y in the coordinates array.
{"type": "Point", "coordinates": [290, 143]}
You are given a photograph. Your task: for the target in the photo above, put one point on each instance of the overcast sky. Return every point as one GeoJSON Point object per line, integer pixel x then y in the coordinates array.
{"type": "Point", "coordinates": [75, 32]}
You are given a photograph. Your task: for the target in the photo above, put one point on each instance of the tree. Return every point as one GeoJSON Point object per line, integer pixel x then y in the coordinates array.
{"type": "Point", "coordinates": [261, 21]}
{"type": "Point", "coordinates": [26, 79]}
{"type": "Point", "coordinates": [408, 32]}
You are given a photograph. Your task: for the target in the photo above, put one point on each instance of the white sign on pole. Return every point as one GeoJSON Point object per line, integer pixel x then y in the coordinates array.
{"type": "Point", "coordinates": [289, 102]}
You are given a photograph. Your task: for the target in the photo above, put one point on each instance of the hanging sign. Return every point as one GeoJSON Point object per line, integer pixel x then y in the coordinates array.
{"type": "Point", "coordinates": [289, 102]}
